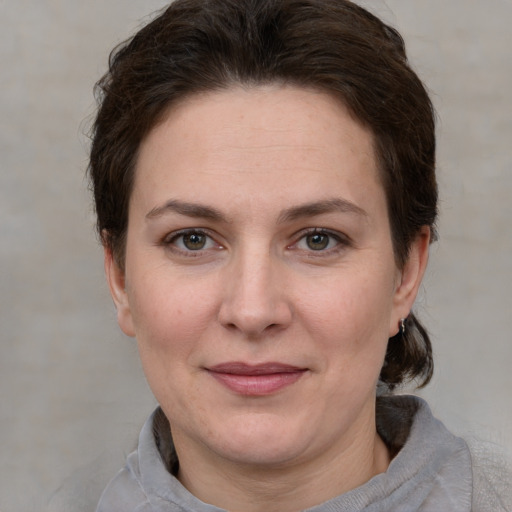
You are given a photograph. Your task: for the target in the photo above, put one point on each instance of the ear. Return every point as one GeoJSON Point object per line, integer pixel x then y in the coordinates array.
{"type": "Point", "coordinates": [116, 282]}
{"type": "Point", "coordinates": [409, 279]}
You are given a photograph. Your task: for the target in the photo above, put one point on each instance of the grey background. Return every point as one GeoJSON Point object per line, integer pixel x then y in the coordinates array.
{"type": "Point", "coordinates": [72, 394]}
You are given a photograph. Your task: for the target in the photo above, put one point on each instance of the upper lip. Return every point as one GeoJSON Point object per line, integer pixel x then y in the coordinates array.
{"type": "Point", "coordinates": [240, 368]}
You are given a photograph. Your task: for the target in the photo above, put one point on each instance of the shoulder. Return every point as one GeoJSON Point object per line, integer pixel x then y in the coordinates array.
{"type": "Point", "coordinates": [145, 483]}
{"type": "Point", "coordinates": [124, 493]}
{"type": "Point", "coordinates": [85, 491]}
{"type": "Point", "coordinates": [492, 477]}
{"type": "Point", "coordinates": [81, 490]}
{"type": "Point", "coordinates": [476, 472]}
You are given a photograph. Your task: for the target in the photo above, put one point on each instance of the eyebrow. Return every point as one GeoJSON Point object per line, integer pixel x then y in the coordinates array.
{"type": "Point", "coordinates": [320, 208]}
{"type": "Point", "coordinates": [312, 209]}
{"type": "Point", "coordinates": [187, 209]}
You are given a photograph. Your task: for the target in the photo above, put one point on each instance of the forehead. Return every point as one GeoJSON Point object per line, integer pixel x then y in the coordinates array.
{"type": "Point", "coordinates": [256, 141]}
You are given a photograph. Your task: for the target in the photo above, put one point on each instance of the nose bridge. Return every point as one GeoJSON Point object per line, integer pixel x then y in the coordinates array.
{"type": "Point", "coordinates": [254, 298]}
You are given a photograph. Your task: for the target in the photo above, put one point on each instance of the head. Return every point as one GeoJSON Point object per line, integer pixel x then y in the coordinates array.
{"type": "Point", "coordinates": [331, 46]}
{"type": "Point", "coordinates": [264, 182]}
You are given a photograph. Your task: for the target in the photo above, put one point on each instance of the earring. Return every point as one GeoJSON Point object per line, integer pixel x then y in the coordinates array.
{"type": "Point", "coordinates": [402, 326]}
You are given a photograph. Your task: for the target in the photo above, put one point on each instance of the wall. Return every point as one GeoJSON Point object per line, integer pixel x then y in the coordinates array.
{"type": "Point", "coordinates": [72, 394]}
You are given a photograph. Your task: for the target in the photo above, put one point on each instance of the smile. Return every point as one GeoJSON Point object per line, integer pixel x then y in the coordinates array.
{"type": "Point", "coordinates": [256, 380]}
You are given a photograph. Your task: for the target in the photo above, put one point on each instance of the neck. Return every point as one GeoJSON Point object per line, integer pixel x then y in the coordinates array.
{"type": "Point", "coordinates": [289, 487]}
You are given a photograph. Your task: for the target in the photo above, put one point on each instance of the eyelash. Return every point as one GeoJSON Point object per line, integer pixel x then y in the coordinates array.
{"type": "Point", "coordinates": [342, 242]}
{"type": "Point", "coordinates": [170, 240]}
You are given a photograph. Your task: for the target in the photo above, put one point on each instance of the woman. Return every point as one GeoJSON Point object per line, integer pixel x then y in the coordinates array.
{"type": "Point", "coordinates": [264, 178]}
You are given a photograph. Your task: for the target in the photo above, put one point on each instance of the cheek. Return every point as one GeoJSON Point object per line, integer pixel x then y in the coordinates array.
{"type": "Point", "coordinates": [170, 314]}
{"type": "Point", "coordinates": [171, 322]}
{"type": "Point", "coordinates": [351, 332]}
{"type": "Point", "coordinates": [350, 316]}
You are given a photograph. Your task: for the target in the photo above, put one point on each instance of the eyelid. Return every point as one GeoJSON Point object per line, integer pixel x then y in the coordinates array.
{"type": "Point", "coordinates": [169, 239]}
{"type": "Point", "coordinates": [173, 235]}
{"type": "Point", "coordinates": [342, 239]}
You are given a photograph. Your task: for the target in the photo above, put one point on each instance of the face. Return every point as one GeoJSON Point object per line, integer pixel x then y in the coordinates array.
{"type": "Point", "coordinates": [260, 280]}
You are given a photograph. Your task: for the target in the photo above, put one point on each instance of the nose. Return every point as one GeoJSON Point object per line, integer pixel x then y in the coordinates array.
{"type": "Point", "coordinates": [255, 300]}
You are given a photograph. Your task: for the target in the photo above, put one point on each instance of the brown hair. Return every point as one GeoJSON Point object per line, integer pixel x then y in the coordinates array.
{"type": "Point", "coordinates": [331, 45]}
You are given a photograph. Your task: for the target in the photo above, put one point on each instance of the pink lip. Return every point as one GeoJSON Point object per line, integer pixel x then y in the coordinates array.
{"type": "Point", "coordinates": [256, 380]}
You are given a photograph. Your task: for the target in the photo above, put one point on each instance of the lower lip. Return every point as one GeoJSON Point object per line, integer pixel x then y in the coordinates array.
{"type": "Point", "coordinates": [258, 385]}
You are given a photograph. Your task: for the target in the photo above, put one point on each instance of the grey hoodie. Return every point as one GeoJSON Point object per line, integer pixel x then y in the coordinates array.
{"type": "Point", "coordinates": [432, 472]}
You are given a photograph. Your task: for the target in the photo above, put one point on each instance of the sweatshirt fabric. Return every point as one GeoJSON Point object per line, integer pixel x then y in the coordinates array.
{"type": "Point", "coordinates": [433, 471]}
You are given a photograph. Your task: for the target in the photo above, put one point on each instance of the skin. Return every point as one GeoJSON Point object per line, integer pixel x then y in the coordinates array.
{"type": "Point", "coordinates": [253, 172]}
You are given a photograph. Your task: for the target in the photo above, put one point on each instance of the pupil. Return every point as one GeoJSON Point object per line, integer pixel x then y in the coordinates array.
{"type": "Point", "coordinates": [194, 241]}
{"type": "Point", "coordinates": [317, 242]}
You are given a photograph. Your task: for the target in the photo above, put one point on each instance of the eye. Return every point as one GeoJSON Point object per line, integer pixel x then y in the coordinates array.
{"type": "Point", "coordinates": [321, 240]}
{"type": "Point", "coordinates": [191, 241]}
{"type": "Point", "coordinates": [194, 241]}
{"type": "Point", "coordinates": [317, 241]}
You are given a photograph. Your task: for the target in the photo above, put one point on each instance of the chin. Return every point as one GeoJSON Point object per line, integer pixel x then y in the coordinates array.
{"type": "Point", "coordinates": [261, 440]}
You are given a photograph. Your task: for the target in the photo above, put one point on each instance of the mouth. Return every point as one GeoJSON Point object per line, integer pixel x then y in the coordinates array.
{"type": "Point", "coordinates": [256, 380]}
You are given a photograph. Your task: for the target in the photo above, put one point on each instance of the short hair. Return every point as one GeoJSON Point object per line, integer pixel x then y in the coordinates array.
{"type": "Point", "coordinates": [334, 46]}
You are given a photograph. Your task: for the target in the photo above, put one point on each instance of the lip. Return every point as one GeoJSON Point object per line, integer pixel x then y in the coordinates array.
{"type": "Point", "coordinates": [256, 380]}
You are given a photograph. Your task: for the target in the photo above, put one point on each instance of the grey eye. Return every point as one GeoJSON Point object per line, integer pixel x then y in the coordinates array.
{"type": "Point", "coordinates": [317, 241]}
{"type": "Point", "coordinates": [194, 241]}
